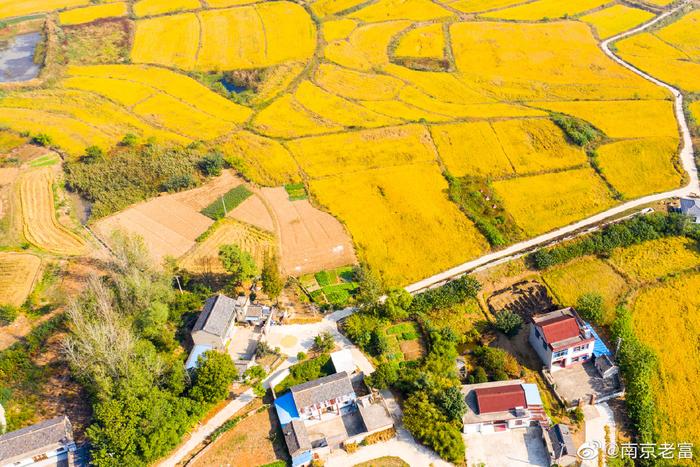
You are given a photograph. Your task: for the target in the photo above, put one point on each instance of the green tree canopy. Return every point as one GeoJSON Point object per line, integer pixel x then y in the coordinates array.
{"type": "Point", "coordinates": [238, 263]}
{"type": "Point", "coordinates": [215, 373]}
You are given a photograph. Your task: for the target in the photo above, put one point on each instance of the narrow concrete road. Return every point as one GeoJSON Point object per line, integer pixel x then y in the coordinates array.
{"type": "Point", "coordinates": [686, 158]}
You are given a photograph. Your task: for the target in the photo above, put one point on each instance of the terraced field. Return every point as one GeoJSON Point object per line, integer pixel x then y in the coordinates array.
{"type": "Point", "coordinates": [18, 271]}
{"type": "Point", "coordinates": [378, 105]}
{"type": "Point", "coordinates": [41, 228]}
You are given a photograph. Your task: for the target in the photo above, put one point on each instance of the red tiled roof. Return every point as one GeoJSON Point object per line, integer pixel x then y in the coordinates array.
{"type": "Point", "coordinates": [559, 328]}
{"type": "Point", "coordinates": [500, 398]}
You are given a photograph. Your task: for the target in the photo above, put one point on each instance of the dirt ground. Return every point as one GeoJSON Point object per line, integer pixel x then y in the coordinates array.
{"type": "Point", "coordinates": [311, 240]}
{"type": "Point", "coordinates": [257, 440]}
{"type": "Point", "coordinates": [253, 211]}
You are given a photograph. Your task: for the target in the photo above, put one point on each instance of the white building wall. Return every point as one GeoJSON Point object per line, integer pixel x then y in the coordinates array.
{"type": "Point", "coordinates": [540, 346]}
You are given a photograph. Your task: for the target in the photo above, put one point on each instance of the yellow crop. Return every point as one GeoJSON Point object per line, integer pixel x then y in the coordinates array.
{"type": "Point", "coordinates": [671, 53]}
{"type": "Point", "coordinates": [289, 31]}
{"type": "Point", "coordinates": [540, 203]}
{"type": "Point", "coordinates": [622, 119]}
{"type": "Point", "coordinates": [542, 61]}
{"type": "Point", "coordinates": [667, 318]}
{"type": "Point", "coordinates": [695, 112]}
{"type": "Point", "coordinates": [92, 13]}
{"type": "Point", "coordinates": [534, 145]}
{"type": "Point", "coordinates": [616, 19]}
{"type": "Point", "coordinates": [329, 7]}
{"type": "Point", "coordinates": [657, 258]}
{"type": "Point", "coordinates": [286, 118]}
{"type": "Point", "coordinates": [226, 3]}
{"type": "Point", "coordinates": [168, 112]}
{"type": "Point", "coordinates": [422, 42]}
{"type": "Point", "coordinates": [11, 8]}
{"type": "Point", "coordinates": [474, 6]}
{"type": "Point", "coordinates": [123, 92]}
{"type": "Point", "coordinates": [641, 166]}
{"type": "Point", "coordinates": [366, 48]}
{"type": "Point", "coordinates": [277, 81]}
{"type": "Point", "coordinates": [159, 7]}
{"type": "Point", "coordinates": [420, 232]}
{"type": "Point", "coordinates": [542, 9]}
{"type": "Point", "coordinates": [471, 149]}
{"type": "Point", "coordinates": [17, 274]}
{"type": "Point", "coordinates": [415, 10]}
{"type": "Point", "coordinates": [351, 152]}
{"type": "Point", "coordinates": [446, 87]}
{"type": "Point", "coordinates": [337, 29]}
{"type": "Point", "coordinates": [167, 40]}
{"type": "Point", "coordinates": [587, 275]}
{"type": "Point", "coordinates": [262, 160]}
{"type": "Point", "coordinates": [408, 112]}
{"type": "Point", "coordinates": [357, 85]}
{"type": "Point", "coordinates": [344, 54]}
{"type": "Point", "coordinates": [337, 109]}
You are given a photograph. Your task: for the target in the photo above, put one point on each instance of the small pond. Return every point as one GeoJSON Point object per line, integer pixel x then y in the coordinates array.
{"type": "Point", "coordinates": [17, 58]}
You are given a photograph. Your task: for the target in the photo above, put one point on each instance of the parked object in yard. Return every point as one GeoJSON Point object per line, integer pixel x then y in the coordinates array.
{"type": "Point", "coordinates": [561, 339]}
{"type": "Point", "coordinates": [502, 405]}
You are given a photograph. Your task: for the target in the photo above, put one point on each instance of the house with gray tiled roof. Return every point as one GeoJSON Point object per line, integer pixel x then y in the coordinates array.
{"type": "Point", "coordinates": [691, 208]}
{"type": "Point", "coordinates": [327, 394]}
{"type": "Point", "coordinates": [215, 323]}
{"type": "Point", "coordinates": [47, 443]}
{"type": "Point", "coordinates": [297, 439]}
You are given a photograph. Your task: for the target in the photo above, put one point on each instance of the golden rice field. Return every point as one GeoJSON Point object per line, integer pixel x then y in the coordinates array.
{"type": "Point", "coordinates": [657, 258]}
{"type": "Point", "coordinates": [11, 8]}
{"type": "Point", "coordinates": [475, 6]}
{"type": "Point", "coordinates": [640, 166]}
{"type": "Point", "coordinates": [420, 231]}
{"type": "Point", "coordinates": [422, 42]}
{"type": "Point", "coordinates": [616, 19]}
{"type": "Point", "coordinates": [18, 271]}
{"type": "Point", "coordinates": [277, 81]}
{"type": "Point", "coordinates": [159, 7]}
{"type": "Point", "coordinates": [357, 85]}
{"type": "Point", "coordinates": [545, 9]}
{"type": "Point", "coordinates": [415, 10]}
{"type": "Point", "coordinates": [542, 61]}
{"type": "Point", "coordinates": [347, 153]}
{"type": "Point", "coordinates": [262, 160]}
{"type": "Point", "coordinates": [337, 29]}
{"type": "Point", "coordinates": [366, 46]}
{"type": "Point", "coordinates": [671, 53]}
{"type": "Point", "coordinates": [204, 257]}
{"type": "Point", "coordinates": [587, 275]}
{"type": "Point", "coordinates": [251, 36]}
{"type": "Point", "coordinates": [695, 112]}
{"type": "Point", "coordinates": [667, 318]}
{"type": "Point", "coordinates": [540, 203]}
{"type": "Point", "coordinates": [41, 228]}
{"type": "Point", "coordinates": [622, 119]}
{"type": "Point", "coordinates": [329, 7]}
{"type": "Point", "coordinates": [93, 13]}
{"type": "Point", "coordinates": [287, 118]}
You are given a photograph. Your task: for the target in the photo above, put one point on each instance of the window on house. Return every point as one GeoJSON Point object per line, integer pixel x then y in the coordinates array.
{"type": "Point", "coordinates": [537, 333]}
{"type": "Point", "coordinates": [561, 353]}
{"type": "Point", "coordinates": [579, 348]}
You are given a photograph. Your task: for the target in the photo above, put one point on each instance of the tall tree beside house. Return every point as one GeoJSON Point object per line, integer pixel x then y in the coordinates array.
{"type": "Point", "coordinates": [370, 286]}
{"type": "Point", "coordinates": [590, 307]}
{"type": "Point", "coordinates": [271, 278]}
{"type": "Point", "coordinates": [238, 263]}
{"type": "Point", "coordinates": [215, 373]}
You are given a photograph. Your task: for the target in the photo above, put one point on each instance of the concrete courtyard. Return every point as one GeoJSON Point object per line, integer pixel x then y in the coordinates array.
{"type": "Point", "coordinates": [579, 382]}
{"type": "Point", "coordinates": [507, 448]}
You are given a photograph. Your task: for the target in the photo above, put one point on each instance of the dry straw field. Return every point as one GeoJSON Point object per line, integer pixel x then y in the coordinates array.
{"type": "Point", "coordinates": [18, 272]}
{"type": "Point", "coordinates": [374, 106]}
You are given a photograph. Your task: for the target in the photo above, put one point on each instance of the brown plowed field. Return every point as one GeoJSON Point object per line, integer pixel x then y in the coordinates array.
{"type": "Point", "coordinates": [311, 240]}
{"type": "Point", "coordinates": [254, 212]}
{"type": "Point", "coordinates": [17, 274]}
{"type": "Point", "coordinates": [38, 213]}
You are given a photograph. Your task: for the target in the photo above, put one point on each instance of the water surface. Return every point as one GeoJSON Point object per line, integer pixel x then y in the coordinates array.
{"type": "Point", "coordinates": [17, 58]}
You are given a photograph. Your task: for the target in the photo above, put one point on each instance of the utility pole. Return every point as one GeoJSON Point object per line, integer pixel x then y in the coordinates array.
{"type": "Point", "coordinates": [177, 279]}
{"type": "Point", "coordinates": [617, 346]}
{"type": "Point", "coordinates": [223, 201]}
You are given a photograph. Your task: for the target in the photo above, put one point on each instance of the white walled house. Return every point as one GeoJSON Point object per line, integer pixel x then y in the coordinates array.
{"type": "Point", "coordinates": [215, 323]}
{"type": "Point", "coordinates": [691, 208]}
{"type": "Point", "coordinates": [561, 339]}
{"type": "Point", "coordinates": [329, 394]}
{"type": "Point", "coordinates": [47, 443]}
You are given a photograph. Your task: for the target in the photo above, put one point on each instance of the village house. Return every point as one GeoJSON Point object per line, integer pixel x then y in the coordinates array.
{"type": "Point", "coordinates": [49, 443]}
{"type": "Point", "coordinates": [213, 328]}
{"type": "Point", "coordinates": [561, 339]}
{"type": "Point", "coordinates": [320, 415]}
{"type": "Point", "coordinates": [502, 405]}
{"type": "Point", "coordinates": [691, 208]}
{"type": "Point", "coordinates": [560, 446]}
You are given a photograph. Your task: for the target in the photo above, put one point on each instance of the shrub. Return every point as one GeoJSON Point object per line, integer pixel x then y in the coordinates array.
{"type": "Point", "coordinates": [449, 294]}
{"type": "Point", "coordinates": [129, 140]}
{"type": "Point", "coordinates": [508, 322]}
{"type": "Point", "coordinates": [8, 314]}
{"type": "Point", "coordinates": [578, 131]}
{"type": "Point", "coordinates": [301, 356]}
{"type": "Point", "coordinates": [324, 342]}
{"type": "Point", "coordinates": [93, 153]}
{"type": "Point", "coordinates": [480, 375]}
{"type": "Point", "coordinates": [350, 447]}
{"type": "Point", "coordinates": [211, 164]}
{"type": "Point", "coordinates": [590, 307]}
{"type": "Point", "coordinates": [379, 437]}
{"type": "Point", "coordinates": [42, 139]}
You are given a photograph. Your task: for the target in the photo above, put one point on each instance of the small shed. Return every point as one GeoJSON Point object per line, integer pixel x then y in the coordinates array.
{"type": "Point", "coordinates": [343, 361]}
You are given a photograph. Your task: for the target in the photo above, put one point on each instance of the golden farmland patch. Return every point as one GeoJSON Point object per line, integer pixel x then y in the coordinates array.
{"type": "Point", "coordinates": [287, 118]}
{"type": "Point", "coordinates": [329, 7]}
{"type": "Point", "coordinates": [167, 40]}
{"type": "Point", "coordinates": [357, 85]}
{"type": "Point", "coordinates": [366, 47]}
{"type": "Point", "coordinates": [587, 275]}
{"type": "Point", "coordinates": [471, 149]}
{"type": "Point", "coordinates": [540, 203]}
{"type": "Point", "coordinates": [642, 166]}
{"type": "Point", "coordinates": [671, 53]}
{"type": "Point", "coordinates": [11, 8]}
{"type": "Point", "coordinates": [657, 258]}
{"type": "Point", "coordinates": [407, 112]}
{"type": "Point", "coordinates": [422, 42]}
{"type": "Point", "coordinates": [420, 232]}
{"type": "Point", "coordinates": [415, 10]}
{"type": "Point", "coordinates": [337, 29]}
{"type": "Point", "coordinates": [418, 98]}
{"type": "Point", "coordinates": [542, 9]}
{"type": "Point", "coordinates": [475, 6]}
{"type": "Point", "coordinates": [18, 271]}
{"type": "Point", "coordinates": [92, 13]}
{"type": "Point", "coordinates": [616, 19]}
{"type": "Point", "coordinates": [159, 7]}
{"type": "Point", "coordinates": [543, 61]}
{"type": "Point", "coordinates": [355, 151]}
{"type": "Point", "coordinates": [667, 318]}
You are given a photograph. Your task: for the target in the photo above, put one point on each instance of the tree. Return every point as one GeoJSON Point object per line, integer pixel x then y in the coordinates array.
{"type": "Point", "coordinates": [386, 374]}
{"type": "Point", "coordinates": [398, 301]}
{"type": "Point", "coordinates": [370, 286]}
{"type": "Point", "coordinates": [42, 139]}
{"type": "Point", "coordinates": [378, 344]}
{"type": "Point", "coordinates": [211, 164]}
{"type": "Point", "coordinates": [508, 322]}
{"type": "Point", "coordinates": [8, 314]}
{"type": "Point", "coordinates": [590, 307]}
{"type": "Point", "coordinates": [324, 342]}
{"type": "Point", "coordinates": [255, 372]}
{"type": "Point", "coordinates": [272, 281]}
{"type": "Point", "coordinates": [238, 263]}
{"type": "Point", "coordinates": [215, 373]}
{"type": "Point", "coordinates": [430, 426]}
{"type": "Point", "coordinates": [129, 140]}
{"type": "Point", "coordinates": [93, 153]}
{"type": "Point", "coordinates": [451, 401]}
{"type": "Point", "coordinates": [480, 375]}
{"type": "Point", "coordinates": [259, 390]}
{"type": "Point", "coordinates": [301, 356]}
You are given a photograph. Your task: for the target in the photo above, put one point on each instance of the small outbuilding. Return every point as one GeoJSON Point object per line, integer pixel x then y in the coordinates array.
{"type": "Point", "coordinates": [343, 361]}
{"type": "Point", "coordinates": [691, 208]}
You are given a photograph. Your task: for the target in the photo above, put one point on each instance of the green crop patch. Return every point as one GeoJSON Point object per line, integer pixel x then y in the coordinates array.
{"type": "Point", "coordinates": [219, 208]}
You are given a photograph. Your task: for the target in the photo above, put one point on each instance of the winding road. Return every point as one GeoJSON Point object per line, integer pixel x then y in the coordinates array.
{"type": "Point", "coordinates": [686, 156]}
